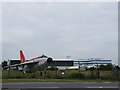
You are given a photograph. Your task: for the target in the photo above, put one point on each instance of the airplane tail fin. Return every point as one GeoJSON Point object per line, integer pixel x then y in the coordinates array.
{"type": "Point", "coordinates": [22, 57]}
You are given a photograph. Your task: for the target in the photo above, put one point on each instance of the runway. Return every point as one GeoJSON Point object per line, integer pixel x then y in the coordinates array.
{"type": "Point", "coordinates": [58, 85]}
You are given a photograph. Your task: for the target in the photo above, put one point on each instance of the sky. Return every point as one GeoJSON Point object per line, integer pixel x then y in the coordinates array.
{"type": "Point", "coordinates": [58, 29]}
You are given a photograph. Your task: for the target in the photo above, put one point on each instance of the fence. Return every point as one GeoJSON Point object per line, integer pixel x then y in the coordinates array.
{"type": "Point", "coordinates": [68, 74]}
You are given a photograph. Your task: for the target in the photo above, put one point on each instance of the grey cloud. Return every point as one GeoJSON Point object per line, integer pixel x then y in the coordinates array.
{"type": "Point", "coordinates": [59, 29]}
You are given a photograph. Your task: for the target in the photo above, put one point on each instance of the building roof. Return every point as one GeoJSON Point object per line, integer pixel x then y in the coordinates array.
{"type": "Point", "coordinates": [62, 59]}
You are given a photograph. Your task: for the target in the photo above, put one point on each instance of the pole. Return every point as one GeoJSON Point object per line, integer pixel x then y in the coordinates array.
{"type": "Point", "coordinates": [56, 68]}
{"type": "Point", "coordinates": [9, 68]}
{"type": "Point", "coordinates": [34, 74]}
{"type": "Point", "coordinates": [9, 72]}
{"type": "Point", "coordinates": [79, 68]}
{"type": "Point", "coordinates": [23, 73]}
{"type": "Point", "coordinates": [97, 71]}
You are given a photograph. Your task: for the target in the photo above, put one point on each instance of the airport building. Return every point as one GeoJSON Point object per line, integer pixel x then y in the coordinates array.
{"type": "Point", "coordinates": [13, 62]}
{"type": "Point", "coordinates": [92, 62]}
{"type": "Point", "coordinates": [62, 64]}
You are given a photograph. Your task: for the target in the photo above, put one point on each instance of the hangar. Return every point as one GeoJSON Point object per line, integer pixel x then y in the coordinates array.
{"type": "Point", "coordinates": [62, 64]}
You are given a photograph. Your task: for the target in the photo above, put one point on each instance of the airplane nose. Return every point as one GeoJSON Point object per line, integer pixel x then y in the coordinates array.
{"type": "Point", "coordinates": [49, 60]}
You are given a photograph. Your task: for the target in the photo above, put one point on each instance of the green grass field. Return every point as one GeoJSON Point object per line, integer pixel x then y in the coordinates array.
{"type": "Point", "coordinates": [51, 80]}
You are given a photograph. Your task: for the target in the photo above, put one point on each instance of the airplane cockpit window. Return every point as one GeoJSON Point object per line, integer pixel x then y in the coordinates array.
{"type": "Point", "coordinates": [43, 56]}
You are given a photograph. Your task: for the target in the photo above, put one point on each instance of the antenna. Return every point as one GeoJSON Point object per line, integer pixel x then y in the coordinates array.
{"type": "Point", "coordinates": [68, 56]}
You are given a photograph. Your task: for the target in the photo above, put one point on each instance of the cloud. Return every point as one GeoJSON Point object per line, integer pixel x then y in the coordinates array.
{"type": "Point", "coordinates": [0, 30]}
{"type": "Point", "coordinates": [60, 29]}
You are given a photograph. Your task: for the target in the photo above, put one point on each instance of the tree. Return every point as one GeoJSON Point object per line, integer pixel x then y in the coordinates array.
{"type": "Point", "coordinates": [117, 67]}
{"type": "Point", "coordinates": [102, 67]}
{"type": "Point", "coordinates": [4, 63]}
{"type": "Point", "coordinates": [91, 68]}
{"type": "Point", "coordinates": [53, 68]}
{"type": "Point", "coordinates": [109, 67]}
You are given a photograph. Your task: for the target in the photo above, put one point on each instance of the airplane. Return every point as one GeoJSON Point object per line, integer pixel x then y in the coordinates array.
{"type": "Point", "coordinates": [32, 65]}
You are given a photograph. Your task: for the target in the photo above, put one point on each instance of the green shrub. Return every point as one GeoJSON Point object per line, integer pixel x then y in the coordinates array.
{"type": "Point", "coordinates": [92, 75]}
{"type": "Point", "coordinates": [53, 68]}
{"type": "Point", "coordinates": [107, 77]}
{"type": "Point", "coordinates": [103, 75]}
{"type": "Point", "coordinates": [57, 77]}
{"type": "Point", "coordinates": [13, 74]}
{"type": "Point", "coordinates": [75, 75]}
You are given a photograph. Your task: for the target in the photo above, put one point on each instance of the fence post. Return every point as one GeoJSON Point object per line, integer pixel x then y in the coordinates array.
{"type": "Point", "coordinates": [79, 69]}
{"type": "Point", "coordinates": [9, 69]}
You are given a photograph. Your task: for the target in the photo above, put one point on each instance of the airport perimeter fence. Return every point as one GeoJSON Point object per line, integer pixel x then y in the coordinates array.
{"type": "Point", "coordinates": [67, 74]}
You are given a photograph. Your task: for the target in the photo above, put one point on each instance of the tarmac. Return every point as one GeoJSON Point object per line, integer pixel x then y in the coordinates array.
{"type": "Point", "coordinates": [53, 85]}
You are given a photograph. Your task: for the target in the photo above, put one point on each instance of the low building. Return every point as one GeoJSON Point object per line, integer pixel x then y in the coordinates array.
{"type": "Point", "coordinates": [62, 64]}
{"type": "Point", "coordinates": [13, 61]}
{"type": "Point", "coordinates": [92, 62]}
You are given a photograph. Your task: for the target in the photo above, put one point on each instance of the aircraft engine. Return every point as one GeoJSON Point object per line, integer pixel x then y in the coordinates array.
{"type": "Point", "coordinates": [49, 60]}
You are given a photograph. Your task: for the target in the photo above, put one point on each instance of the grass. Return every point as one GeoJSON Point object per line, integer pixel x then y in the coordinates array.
{"type": "Point", "coordinates": [50, 80]}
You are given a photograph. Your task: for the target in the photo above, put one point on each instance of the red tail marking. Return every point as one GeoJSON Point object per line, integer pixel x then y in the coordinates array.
{"type": "Point", "coordinates": [22, 57]}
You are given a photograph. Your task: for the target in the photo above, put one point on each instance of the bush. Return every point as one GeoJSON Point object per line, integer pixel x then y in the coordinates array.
{"type": "Point", "coordinates": [93, 75]}
{"type": "Point", "coordinates": [75, 75]}
{"type": "Point", "coordinates": [103, 75]}
{"type": "Point", "coordinates": [53, 68]}
{"type": "Point", "coordinates": [57, 77]}
{"type": "Point", "coordinates": [110, 76]}
{"type": "Point", "coordinates": [13, 74]}
{"type": "Point", "coordinates": [107, 77]}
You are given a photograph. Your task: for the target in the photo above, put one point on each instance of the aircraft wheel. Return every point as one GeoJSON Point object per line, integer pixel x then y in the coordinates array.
{"type": "Point", "coordinates": [24, 69]}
